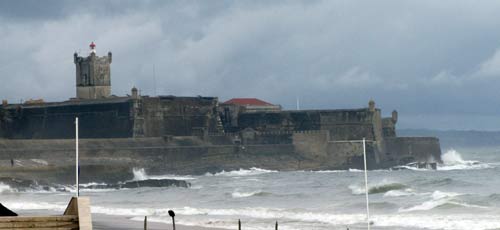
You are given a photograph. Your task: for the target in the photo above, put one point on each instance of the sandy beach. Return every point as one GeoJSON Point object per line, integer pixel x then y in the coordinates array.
{"type": "Point", "coordinates": [102, 222]}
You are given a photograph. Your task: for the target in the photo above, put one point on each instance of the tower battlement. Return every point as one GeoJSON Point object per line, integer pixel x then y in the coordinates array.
{"type": "Point", "coordinates": [93, 75]}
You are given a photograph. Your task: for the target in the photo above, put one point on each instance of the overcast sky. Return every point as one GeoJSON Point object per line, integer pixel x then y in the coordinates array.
{"type": "Point", "coordinates": [436, 62]}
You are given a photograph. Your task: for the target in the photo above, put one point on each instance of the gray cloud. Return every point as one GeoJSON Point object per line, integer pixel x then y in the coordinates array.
{"type": "Point", "coordinates": [428, 59]}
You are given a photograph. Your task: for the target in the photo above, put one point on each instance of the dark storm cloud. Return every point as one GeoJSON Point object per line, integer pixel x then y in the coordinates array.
{"type": "Point", "coordinates": [437, 62]}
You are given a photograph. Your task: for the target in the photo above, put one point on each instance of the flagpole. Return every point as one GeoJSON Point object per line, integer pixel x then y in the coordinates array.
{"type": "Point", "coordinates": [76, 159]}
{"type": "Point", "coordinates": [366, 186]}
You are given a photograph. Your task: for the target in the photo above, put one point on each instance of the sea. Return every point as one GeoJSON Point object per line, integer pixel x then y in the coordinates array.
{"type": "Point", "coordinates": [463, 193]}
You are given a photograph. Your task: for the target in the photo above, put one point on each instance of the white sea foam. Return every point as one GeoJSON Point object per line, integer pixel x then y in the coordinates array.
{"type": "Point", "coordinates": [140, 174]}
{"type": "Point", "coordinates": [452, 160]}
{"type": "Point", "coordinates": [350, 170]}
{"type": "Point", "coordinates": [276, 213]}
{"type": "Point", "coordinates": [242, 172]}
{"type": "Point", "coordinates": [5, 188]}
{"type": "Point", "coordinates": [399, 193]}
{"type": "Point", "coordinates": [92, 184]}
{"type": "Point", "coordinates": [238, 194]}
{"type": "Point", "coordinates": [446, 222]}
{"type": "Point", "coordinates": [35, 206]}
{"type": "Point", "coordinates": [439, 198]}
{"type": "Point", "coordinates": [40, 161]}
{"type": "Point", "coordinates": [337, 171]}
{"type": "Point", "coordinates": [215, 217]}
{"type": "Point", "coordinates": [413, 168]}
{"type": "Point", "coordinates": [356, 170]}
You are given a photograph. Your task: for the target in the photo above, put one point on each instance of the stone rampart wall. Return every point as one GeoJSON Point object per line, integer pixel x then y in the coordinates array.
{"type": "Point", "coordinates": [411, 149]}
{"type": "Point", "coordinates": [178, 116]}
{"type": "Point", "coordinates": [114, 159]}
{"type": "Point", "coordinates": [97, 120]}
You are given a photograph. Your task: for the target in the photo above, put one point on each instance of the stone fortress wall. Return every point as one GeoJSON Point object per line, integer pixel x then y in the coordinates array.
{"type": "Point", "coordinates": [169, 134]}
{"type": "Point", "coordinates": [187, 130]}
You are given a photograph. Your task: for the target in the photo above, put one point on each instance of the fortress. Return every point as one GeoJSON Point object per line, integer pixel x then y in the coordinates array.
{"type": "Point", "coordinates": [191, 135]}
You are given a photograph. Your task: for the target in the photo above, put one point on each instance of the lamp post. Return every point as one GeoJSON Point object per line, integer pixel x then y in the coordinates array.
{"type": "Point", "coordinates": [172, 214]}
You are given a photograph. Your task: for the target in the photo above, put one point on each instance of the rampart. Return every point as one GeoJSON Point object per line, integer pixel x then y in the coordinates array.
{"type": "Point", "coordinates": [118, 117]}
{"type": "Point", "coordinates": [179, 116]}
{"type": "Point", "coordinates": [104, 118]}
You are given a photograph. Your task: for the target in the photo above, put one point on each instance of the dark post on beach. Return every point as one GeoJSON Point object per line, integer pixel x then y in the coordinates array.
{"type": "Point", "coordinates": [276, 226]}
{"type": "Point", "coordinates": [172, 214]}
{"type": "Point", "coordinates": [239, 224]}
{"type": "Point", "coordinates": [145, 222]}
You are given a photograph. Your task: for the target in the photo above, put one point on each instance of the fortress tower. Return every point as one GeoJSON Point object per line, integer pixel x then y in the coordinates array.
{"type": "Point", "coordinates": [93, 75]}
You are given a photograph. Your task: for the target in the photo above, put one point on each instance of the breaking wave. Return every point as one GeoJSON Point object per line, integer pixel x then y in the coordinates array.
{"type": "Point", "coordinates": [140, 174]}
{"type": "Point", "coordinates": [391, 220]}
{"type": "Point", "coordinates": [399, 193]}
{"type": "Point", "coordinates": [243, 172]}
{"type": "Point", "coordinates": [381, 187]}
{"type": "Point", "coordinates": [35, 206]}
{"type": "Point", "coordinates": [238, 194]}
{"type": "Point", "coordinates": [440, 199]}
{"type": "Point", "coordinates": [5, 188]}
{"type": "Point", "coordinates": [224, 218]}
{"type": "Point", "coordinates": [452, 160]}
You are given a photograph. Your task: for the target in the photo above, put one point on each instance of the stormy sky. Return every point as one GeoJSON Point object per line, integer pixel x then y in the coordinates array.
{"type": "Point", "coordinates": [436, 62]}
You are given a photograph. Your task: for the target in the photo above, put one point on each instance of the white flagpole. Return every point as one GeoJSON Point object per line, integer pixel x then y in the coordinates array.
{"type": "Point", "coordinates": [366, 186]}
{"type": "Point", "coordinates": [76, 158]}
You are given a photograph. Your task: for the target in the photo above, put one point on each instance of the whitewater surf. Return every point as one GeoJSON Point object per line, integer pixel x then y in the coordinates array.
{"type": "Point", "coordinates": [460, 194]}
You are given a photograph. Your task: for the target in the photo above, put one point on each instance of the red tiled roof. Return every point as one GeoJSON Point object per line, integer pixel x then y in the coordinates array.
{"type": "Point", "coordinates": [248, 101]}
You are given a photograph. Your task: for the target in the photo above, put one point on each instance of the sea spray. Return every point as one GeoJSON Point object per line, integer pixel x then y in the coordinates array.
{"type": "Point", "coordinates": [140, 174]}
{"type": "Point", "coordinates": [5, 188]}
{"type": "Point", "coordinates": [452, 160]}
{"type": "Point", "coordinates": [242, 172]}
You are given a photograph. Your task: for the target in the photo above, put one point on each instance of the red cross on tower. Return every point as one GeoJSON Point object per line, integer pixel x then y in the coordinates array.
{"type": "Point", "coordinates": [92, 45]}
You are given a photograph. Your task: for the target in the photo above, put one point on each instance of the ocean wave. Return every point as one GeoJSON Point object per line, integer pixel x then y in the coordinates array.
{"type": "Point", "coordinates": [305, 219]}
{"type": "Point", "coordinates": [276, 213]}
{"type": "Point", "coordinates": [329, 171]}
{"type": "Point", "coordinates": [442, 222]}
{"type": "Point", "coordinates": [452, 160]}
{"type": "Point", "coordinates": [441, 199]}
{"type": "Point", "coordinates": [40, 161]}
{"type": "Point", "coordinates": [400, 193]}
{"type": "Point", "coordinates": [140, 174]}
{"type": "Point", "coordinates": [238, 194]}
{"type": "Point", "coordinates": [412, 168]}
{"type": "Point", "coordinates": [219, 217]}
{"type": "Point", "coordinates": [35, 206]}
{"type": "Point", "coordinates": [242, 172]}
{"type": "Point", "coordinates": [349, 170]}
{"type": "Point", "coordinates": [5, 188]}
{"type": "Point", "coordinates": [256, 212]}
{"type": "Point", "coordinates": [380, 187]}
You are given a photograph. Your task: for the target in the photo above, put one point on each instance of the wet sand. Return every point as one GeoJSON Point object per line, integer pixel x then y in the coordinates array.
{"type": "Point", "coordinates": [102, 222]}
